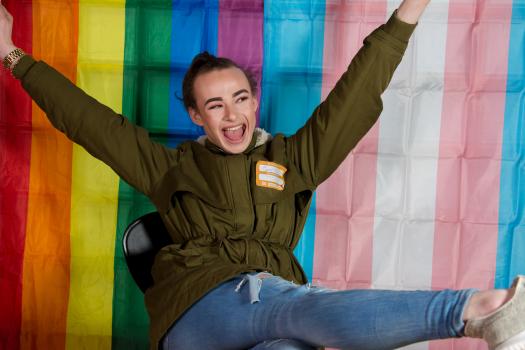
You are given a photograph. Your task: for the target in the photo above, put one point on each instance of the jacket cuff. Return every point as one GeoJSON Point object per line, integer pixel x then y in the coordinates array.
{"type": "Point", "coordinates": [399, 29]}
{"type": "Point", "coordinates": [23, 65]}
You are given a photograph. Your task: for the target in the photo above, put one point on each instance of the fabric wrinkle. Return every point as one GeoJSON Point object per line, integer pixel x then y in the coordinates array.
{"type": "Point", "coordinates": [247, 262]}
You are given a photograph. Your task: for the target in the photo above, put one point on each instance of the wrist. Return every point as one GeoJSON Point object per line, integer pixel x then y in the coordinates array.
{"type": "Point", "coordinates": [11, 59]}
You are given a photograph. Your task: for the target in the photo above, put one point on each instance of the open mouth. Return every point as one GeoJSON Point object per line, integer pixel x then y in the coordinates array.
{"type": "Point", "coordinates": [234, 134]}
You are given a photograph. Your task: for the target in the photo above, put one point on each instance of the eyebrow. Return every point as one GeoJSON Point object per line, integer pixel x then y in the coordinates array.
{"type": "Point", "coordinates": [237, 93]}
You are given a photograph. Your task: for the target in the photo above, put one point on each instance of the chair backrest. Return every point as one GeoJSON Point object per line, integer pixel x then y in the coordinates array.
{"type": "Point", "coordinates": [142, 240]}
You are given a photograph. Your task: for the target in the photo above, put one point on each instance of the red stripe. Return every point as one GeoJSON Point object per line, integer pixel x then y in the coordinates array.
{"type": "Point", "coordinates": [346, 201]}
{"type": "Point", "coordinates": [15, 155]}
{"type": "Point", "coordinates": [467, 200]}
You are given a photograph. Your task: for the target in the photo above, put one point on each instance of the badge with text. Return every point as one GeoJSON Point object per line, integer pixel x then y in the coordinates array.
{"type": "Point", "coordinates": [270, 175]}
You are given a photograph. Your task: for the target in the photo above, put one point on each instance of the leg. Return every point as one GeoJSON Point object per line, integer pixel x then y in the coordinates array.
{"type": "Point", "coordinates": [365, 319]}
{"type": "Point", "coordinates": [350, 319]}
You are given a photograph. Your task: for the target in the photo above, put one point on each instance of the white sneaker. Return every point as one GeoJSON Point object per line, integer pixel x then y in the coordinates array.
{"type": "Point", "coordinates": [503, 329]}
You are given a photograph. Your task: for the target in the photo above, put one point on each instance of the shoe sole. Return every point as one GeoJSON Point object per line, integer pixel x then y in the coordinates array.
{"type": "Point", "coordinates": [516, 342]}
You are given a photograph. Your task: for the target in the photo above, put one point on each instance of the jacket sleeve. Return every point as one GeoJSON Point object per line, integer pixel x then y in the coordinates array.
{"type": "Point", "coordinates": [105, 134]}
{"type": "Point", "coordinates": [352, 107]}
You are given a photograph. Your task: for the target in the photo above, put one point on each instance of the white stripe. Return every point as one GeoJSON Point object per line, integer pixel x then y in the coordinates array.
{"type": "Point", "coordinates": [407, 159]}
{"type": "Point", "coordinates": [271, 169]}
{"type": "Point", "coordinates": [271, 178]}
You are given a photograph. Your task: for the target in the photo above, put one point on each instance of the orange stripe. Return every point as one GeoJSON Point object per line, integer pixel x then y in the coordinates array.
{"type": "Point", "coordinates": [47, 258]}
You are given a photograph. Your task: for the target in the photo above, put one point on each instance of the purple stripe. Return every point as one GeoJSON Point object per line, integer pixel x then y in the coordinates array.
{"type": "Point", "coordinates": [241, 35]}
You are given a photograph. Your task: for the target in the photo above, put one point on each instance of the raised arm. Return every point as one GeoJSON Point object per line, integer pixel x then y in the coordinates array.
{"type": "Point", "coordinates": [354, 104]}
{"type": "Point", "coordinates": [105, 134]}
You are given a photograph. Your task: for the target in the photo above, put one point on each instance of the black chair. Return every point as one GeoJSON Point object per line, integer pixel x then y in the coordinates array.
{"type": "Point", "coordinates": [142, 240]}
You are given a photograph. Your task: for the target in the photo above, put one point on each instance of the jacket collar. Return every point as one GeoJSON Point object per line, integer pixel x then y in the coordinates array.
{"type": "Point", "coordinates": [259, 137]}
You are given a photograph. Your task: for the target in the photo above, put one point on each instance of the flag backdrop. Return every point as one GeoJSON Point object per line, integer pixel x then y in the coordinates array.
{"type": "Point", "coordinates": [431, 198]}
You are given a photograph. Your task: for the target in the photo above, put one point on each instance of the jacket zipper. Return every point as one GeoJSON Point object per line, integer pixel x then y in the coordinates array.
{"type": "Point", "coordinates": [231, 195]}
{"type": "Point", "coordinates": [247, 170]}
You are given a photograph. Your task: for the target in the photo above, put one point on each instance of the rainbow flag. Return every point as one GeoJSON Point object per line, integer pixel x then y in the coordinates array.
{"type": "Point", "coordinates": [431, 198]}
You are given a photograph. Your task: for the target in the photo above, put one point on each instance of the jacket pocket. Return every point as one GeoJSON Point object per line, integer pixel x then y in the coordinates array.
{"type": "Point", "coordinates": [193, 211]}
{"type": "Point", "coordinates": [280, 212]}
{"type": "Point", "coordinates": [179, 186]}
{"type": "Point", "coordinates": [295, 191]}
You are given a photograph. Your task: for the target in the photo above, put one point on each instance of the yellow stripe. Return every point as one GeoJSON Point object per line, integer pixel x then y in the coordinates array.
{"type": "Point", "coordinates": [94, 199]}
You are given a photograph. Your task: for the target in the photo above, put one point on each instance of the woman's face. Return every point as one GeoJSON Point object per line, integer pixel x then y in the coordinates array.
{"type": "Point", "coordinates": [225, 108]}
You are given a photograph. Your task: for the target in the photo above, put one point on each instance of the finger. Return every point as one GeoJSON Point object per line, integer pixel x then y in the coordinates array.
{"type": "Point", "coordinates": [4, 10]}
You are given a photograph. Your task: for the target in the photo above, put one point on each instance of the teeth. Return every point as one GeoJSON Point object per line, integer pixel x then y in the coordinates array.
{"type": "Point", "coordinates": [234, 128]}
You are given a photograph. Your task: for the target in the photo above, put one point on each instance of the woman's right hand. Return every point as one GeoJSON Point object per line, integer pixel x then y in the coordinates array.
{"type": "Point", "coordinates": [6, 29]}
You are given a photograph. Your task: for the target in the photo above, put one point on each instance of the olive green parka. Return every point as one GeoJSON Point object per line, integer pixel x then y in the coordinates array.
{"type": "Point", "coordinates": [226, 213]}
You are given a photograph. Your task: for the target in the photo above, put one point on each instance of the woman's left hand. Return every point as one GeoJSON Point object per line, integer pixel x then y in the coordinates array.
{"type": "Point", "coordinates": [410, 10]}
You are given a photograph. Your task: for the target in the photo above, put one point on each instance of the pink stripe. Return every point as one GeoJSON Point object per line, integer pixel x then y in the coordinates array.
{"type": "Point", "coordinates": [241, 34]}
{"type": "Point", "coordinates": [346, 201]}
{"type": "Point", "coordinates": [466, 230]}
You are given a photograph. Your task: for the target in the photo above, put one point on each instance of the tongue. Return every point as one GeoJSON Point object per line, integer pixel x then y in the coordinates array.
{"type": "Point", "coordinates": [234, 135]}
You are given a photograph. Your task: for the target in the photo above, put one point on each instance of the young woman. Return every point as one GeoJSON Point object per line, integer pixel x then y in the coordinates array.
{"type": "Point", "coordinates": [235, 202]}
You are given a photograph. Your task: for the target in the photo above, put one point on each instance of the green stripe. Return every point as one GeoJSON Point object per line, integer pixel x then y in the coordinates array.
{"type": "Point", "coordinates": [146, 103]}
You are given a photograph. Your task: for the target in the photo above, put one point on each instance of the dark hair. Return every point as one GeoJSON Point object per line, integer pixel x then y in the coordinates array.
{"type": "Point", "coordinates": [205, 62]}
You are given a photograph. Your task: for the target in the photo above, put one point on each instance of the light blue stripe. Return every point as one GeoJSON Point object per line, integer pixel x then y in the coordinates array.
{"type": "Point", "coordinates": [510, 258]}
{"type": "Point", "coordinates": [292, 79]}
{"type": "Point", "coordinates": [195, 26]}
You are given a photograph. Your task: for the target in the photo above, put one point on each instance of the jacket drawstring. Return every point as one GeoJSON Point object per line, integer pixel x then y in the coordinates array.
{"type": "Point", "coordinates": [254, 285]}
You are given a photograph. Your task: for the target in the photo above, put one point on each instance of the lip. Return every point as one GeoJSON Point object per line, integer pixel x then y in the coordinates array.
{"type": "Point", "coordinates": [241, 140]}
{"type": "Point", "coordinates": [233, 127]}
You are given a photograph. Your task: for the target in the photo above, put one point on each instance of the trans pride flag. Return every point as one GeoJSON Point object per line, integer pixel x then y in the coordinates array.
{"type": "Point", "coordinates": [431, 198]}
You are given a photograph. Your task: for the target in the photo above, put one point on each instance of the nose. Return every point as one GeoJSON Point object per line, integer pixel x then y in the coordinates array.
{"type": "Point", "coordinates": [229, 113]}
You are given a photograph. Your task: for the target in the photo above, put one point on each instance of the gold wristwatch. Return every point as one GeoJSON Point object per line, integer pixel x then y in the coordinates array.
{"type": "Point", "coordinates": [13, 57]}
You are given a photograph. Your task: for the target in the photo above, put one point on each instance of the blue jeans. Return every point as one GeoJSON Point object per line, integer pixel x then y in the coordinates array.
{"type": "Point", "coordinates": [251, 312]}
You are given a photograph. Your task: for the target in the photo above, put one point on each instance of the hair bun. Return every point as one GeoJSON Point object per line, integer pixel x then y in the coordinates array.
{"type": "Point", "coordinates": [205, 62]}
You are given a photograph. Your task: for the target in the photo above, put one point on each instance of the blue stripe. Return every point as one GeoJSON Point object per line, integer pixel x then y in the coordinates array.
{"type": "Point", "coordinates": [291, 82]}
{"type": "Point", "coordinates": [510, 258]}
{"type": "Point", "coordinates": [195, 26]}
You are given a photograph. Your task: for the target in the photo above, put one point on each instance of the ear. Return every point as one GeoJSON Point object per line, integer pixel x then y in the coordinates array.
{"type": "Point", "coordinates": [195, 116]}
